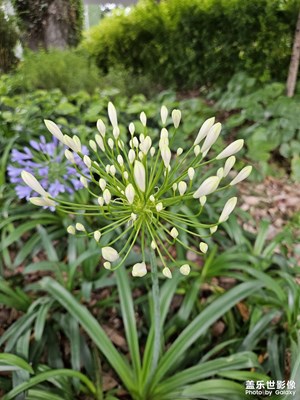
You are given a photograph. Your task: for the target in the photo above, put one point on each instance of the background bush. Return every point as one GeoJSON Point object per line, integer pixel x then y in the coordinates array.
{"type": "Point", "coordinates": [187, 44]}
{"type": "Point", "coordinates": [69, 71]}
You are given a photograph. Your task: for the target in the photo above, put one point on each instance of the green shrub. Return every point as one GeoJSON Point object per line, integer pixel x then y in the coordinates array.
{"type": "Point", "coordinates": [267, 119]}
{"type": "Point", "coordinates": [69, 71]}
{"type": "Point", "coordinates": [8, 40]}
{"type": "Point", "coordinates": [187, 44]}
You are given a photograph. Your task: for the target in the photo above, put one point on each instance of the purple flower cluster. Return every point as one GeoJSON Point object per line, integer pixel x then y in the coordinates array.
{"type": "Point", "coordinates": [47, 162]}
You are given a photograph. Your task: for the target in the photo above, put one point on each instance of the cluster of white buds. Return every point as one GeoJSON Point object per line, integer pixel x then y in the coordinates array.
{"type": "Point", "coordinates": [140, 189]}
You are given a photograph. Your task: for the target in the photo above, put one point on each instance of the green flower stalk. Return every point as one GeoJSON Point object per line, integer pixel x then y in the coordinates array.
{"type": "Point", "coordinates": [139, 188]}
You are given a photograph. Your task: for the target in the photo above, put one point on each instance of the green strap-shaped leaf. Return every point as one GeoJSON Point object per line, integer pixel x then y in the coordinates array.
{"type": "Point", "coordinates": [15, 361]}
{"type": "Point", "coordinates": [206, 370]}
{"type": "Point", "coordinates": [129, 321]}
{"type": "Point", "coordinates": [45, 376]}
{"type": "Point", "coordinates": [201, 323]}
{"type": "Point", "coordinates": [93, 329]}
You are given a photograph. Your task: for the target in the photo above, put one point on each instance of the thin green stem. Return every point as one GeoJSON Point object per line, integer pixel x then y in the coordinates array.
{"type": "Point", "coordinates": [156, 312]}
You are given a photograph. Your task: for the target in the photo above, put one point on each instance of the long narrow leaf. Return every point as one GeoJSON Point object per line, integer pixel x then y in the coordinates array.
{"type": "Point", "coordinates": [47, 376]}
{"type": "Point", "coordinates": [200, 324]}
{"type": "Point", "coordinates": [129, 321]}
{"type": "Point", "coordinates": [92, 327]}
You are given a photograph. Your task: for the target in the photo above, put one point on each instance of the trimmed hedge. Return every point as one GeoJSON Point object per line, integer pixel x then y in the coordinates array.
{"type": "Point", "coordinates": [187, 44]}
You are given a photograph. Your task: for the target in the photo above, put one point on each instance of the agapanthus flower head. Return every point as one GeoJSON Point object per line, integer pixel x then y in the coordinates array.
{"type": "Point", "coordinates": [52, 167]}
{"type": "Point", "coordinates": [141, 189]}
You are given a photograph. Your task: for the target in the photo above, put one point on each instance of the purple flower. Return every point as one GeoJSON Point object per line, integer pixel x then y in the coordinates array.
{"type": "Point", "coordinates": [55, 173]}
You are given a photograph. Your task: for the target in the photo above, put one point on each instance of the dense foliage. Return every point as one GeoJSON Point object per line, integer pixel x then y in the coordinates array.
{"type": "Point", "coordinates": [8, 41]}
{"type": "Point", "coordinates": [69, 71]}
{"type": "Point", "coordinates": [189, 44]}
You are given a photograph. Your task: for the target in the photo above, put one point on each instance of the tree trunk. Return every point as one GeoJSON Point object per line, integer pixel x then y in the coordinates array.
{"type": "Point", "coordinates": [49, 23]}
{"type": "Point", "coordinates": [294, 64]}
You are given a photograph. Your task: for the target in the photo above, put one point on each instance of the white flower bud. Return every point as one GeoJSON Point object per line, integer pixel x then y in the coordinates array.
{"type": "Point", "coordinates": [220, 173]}
{"type": "Point", "coordinates": [110, 254]}
{"type": "Point", "coordinates": [143, 118]}
{"type": "Point", "coordinates": [182, 186]}
{"type": "Point", "coordinates": [110, 143]}
{"type": "Point", "coordinates": [87, 161]}
{"type": "Point", "coordinates": [191, 173]}
{"type": "Point", "coordinates": [163, 142]}
{"type": "Point", "coordinates": [142, 137]}
{"type": "Point", "coordinates": [228, 165]}
{"type": "Point", "coordinates": [101, 127]}
{"type": "Point", "coordinates": [167, 273]}
{"type": "Point", "coordinates": [97, 235]}
{"type": "Point", "coordinates": [121, 144]}
{"type": "Point", "coordinates": [243, 174]}
{"type": "Point", "coordinates": [152, 151]}
{"type": "Point", "coordinates": [174, 233]}
{"type": "Point", "coordinates": [207, 187]}
{"type": "Point", "coordinates": [153, 245]}
{"type": "Point", "coordinates": [204, 130]}
{"type": "Point", "coordinates": [84, 181]}
{"type": "Point", "coordinates": [213, 229]}
{"type": "Point", "coordinates": [54, 130]}
{"type": "Point", "coordinates": [107, 265]}
{"type": "Point", "coordinates": [77, 142]}
{"type": "Point", "coordinates": [80, 227]}
{"type": "Point", "coordinates": [32, 182]}
{"type": "Point", "coordinates": [179, 151]}
{"type": "Point", "coordinates": [164, 134]}
{"type": "Point", "coordinates": [151, 198]}
{"type": "Point", "coordinates": [166, 155]}
{"type": "Point", "coordinates": [112, 115]}
{"type": "Point", "coordinates": [112, 170]}
{"type": "Point", "coordinates": [228, 208]}
{"type": "Point", "coordinates": [141, 156]}
{"type": "Point", "coordinates": [197, 150]}
{"type": "Point", "coordinates": [102, 184]}
{"type": "Point", "coordinates": [125, 175]}
{"type": "Point", "coordinates": [71, 230]}
{"type": "Point", "coordinates": [233, 148]}
{"type": "Point", "coordinates": [120, 160]}
{"type": "Point", "coordinates": [100, 201]}
{"type": "Point", "coordinates": [202, 200]}
{"type": "Point", "coordinates": [135, 142]}
{"type": "Point", "coordinates": [139, 175]}
{"type": "Point", "coordinates": [100, 142]}
{"type": "Point", "coordinates": [176, 117]}
{"type": "Point", "coordinates": [203, 247]}
{"type": "Point", "coordinates": [131, 156]}
{"type": "Point", "coordinates": [174, 186]}
{"type": "Point", "coordinates": [133, 217]}
{"type": "Point", "coordinates": [106, 196]}
{"type": "Point", "coordinates": [146, 144]}
{"type": "Point", "coordinates": [131, 128]}
{"type": "Point", "coordinates": [130, 193]}
{"type": "Point", "coordinates": [69, 156]}
{"type": "Point", "coordinates": [107, 168]}
{"type": "Point", "coordinates": [93, 145]}
{"type": "Point", "coordinates": [164, 114]}
{"type": "Point", "coordinates": [42, 201]}
{"type": "Point", "coordinates": [159, 207]}
{"type": "Point", "coordinates": [139, 270]}
{"type": "Point", "coordinates": [211, 137]}
{"type": "Point", "coordinates": [70, 143]}
{"type": "Point", "coordinates": [116, 132]}
{"type": "Point", "coordinates": [185, 269]}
